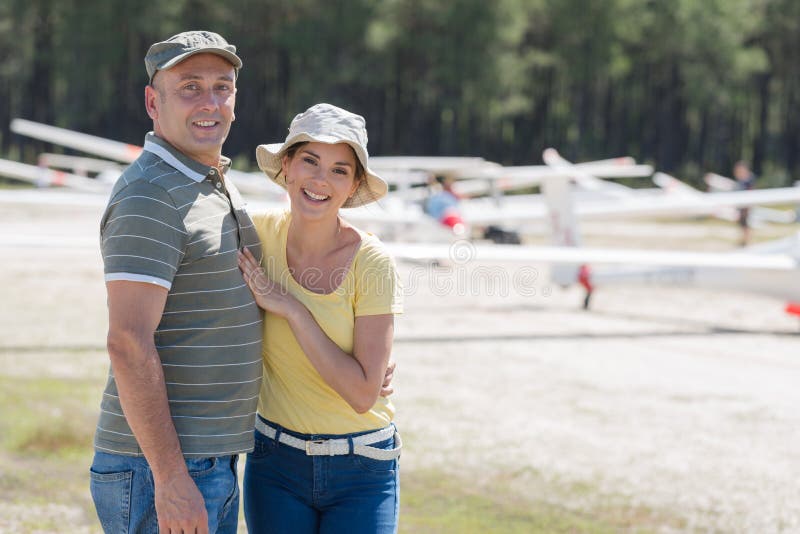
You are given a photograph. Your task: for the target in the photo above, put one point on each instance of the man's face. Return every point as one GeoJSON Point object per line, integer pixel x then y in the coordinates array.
{"type": "Point", "coordinates": [192, 105]}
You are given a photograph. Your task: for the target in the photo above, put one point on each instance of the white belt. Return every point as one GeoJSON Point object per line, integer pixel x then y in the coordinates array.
{"type": "Point", "coordinates": [339, 446]}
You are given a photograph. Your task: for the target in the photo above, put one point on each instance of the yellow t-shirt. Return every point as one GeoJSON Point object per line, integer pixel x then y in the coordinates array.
{"type": "Point", "coordinates": [293, 394]}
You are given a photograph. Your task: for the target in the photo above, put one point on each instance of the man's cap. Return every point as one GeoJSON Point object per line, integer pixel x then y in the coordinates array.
{"type": "Point", "coordinates": [167, 54]}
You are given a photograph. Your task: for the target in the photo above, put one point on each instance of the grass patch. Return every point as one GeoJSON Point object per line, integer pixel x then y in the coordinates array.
{"type": "Point", "coordinates": [45, 495]}
{"type": "Point", "coordinates": [46, 417]}
{"type": "Point", "coordinates": [46, 430]}
{"type": "Point", "coordinates": [437, 502]}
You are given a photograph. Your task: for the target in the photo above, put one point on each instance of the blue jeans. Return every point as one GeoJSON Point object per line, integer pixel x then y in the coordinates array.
{"type": "Point", "coordinates": [286, 491]}
{"type": "Point", "coordinates": [124, 495]}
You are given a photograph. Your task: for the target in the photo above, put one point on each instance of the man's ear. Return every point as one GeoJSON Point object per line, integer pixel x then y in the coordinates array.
{"type": "Point", "coordinates": [150, 97]}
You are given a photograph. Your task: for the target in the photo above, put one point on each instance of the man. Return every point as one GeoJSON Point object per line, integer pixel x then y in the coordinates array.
{"type": "Point", "coordinates": [184, 334]}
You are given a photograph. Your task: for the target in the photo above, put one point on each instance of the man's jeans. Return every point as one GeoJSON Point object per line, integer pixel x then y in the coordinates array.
{"type": "Point", "coordinates": [123, 492]}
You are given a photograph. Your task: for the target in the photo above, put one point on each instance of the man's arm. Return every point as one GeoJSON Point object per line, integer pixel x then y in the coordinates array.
{"type": "Point", "coordinates": [134, 311]}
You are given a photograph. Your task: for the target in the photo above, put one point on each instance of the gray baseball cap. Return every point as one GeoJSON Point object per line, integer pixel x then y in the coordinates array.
{"type": "Point", "coordinates": [169, 53]}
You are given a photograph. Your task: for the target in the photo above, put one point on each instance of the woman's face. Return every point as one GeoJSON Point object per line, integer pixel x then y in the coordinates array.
{"type": "Point", "coordinates": [320, 178]}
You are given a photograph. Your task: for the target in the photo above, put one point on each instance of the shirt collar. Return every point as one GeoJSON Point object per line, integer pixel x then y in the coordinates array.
{"type": "Point", "coordinates": [179, 161]}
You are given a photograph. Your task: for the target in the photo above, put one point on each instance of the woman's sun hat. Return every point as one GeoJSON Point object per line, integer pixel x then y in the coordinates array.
{"type": "Point", "coordinates": [324, 123]}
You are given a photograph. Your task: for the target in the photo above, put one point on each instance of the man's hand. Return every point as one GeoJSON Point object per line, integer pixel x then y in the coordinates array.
{"type": "Point", "coordinates": [180, 506]}
{"type": "Point", "coordinates": [386, 387]}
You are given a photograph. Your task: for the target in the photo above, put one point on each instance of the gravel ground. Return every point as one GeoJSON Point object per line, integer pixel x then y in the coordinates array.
{"type": "Point", "coordinates": [644, 402]}
{"type": "Point", "coordinates": [680, 401]}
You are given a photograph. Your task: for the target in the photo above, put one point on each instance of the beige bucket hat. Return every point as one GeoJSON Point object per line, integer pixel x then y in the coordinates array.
{"type": "Point", "coordinates": [325, 123]}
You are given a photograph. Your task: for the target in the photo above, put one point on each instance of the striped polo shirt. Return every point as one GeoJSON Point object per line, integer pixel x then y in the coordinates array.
{"type": "Point", "coordinates": [175, 222]}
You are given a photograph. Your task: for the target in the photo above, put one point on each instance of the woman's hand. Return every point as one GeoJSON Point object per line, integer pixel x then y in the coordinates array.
{"type": "Point", "coordinates": [386, 387]}
{"type": "Point", "coordinates": [268, 295]}
{"type": "Point", "coordinates": [358, 377]}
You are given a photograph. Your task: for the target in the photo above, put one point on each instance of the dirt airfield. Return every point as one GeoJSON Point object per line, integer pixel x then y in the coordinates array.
{"type": "Point", "coordinates": [676, 404]}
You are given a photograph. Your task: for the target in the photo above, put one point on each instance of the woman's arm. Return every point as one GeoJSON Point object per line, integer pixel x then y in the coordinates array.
{"type": "Point", "coordinates": [357, 378]}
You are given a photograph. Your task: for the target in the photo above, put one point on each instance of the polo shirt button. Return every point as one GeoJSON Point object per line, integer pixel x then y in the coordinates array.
{"type": "Point", "coordinates": [212, 172]}
{"type": "Point", "coordinates": [219, 185]}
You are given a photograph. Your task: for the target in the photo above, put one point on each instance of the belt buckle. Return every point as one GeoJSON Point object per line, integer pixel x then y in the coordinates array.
{"type": "Point", "coordinates": [317, 447]}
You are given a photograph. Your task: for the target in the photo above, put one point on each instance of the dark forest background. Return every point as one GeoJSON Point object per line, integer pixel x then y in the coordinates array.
{"type": "Point", "coordinates": [687, 85]}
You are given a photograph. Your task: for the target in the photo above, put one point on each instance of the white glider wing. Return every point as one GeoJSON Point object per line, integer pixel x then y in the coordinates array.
{"type": "Point", "coordinates": [461, 252]}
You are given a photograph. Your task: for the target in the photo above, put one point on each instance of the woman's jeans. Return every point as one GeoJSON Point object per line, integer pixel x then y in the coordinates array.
{"type": "Point", "coordinates": [286, 491]}
{"type": "Point", "coordinates": [124, 494]}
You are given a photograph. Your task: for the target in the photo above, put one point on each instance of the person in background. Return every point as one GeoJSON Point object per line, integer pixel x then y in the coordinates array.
{"type": "Point", "coordinates": [746, 180]}
{"type": "Point", "coordinates": [326, 449]}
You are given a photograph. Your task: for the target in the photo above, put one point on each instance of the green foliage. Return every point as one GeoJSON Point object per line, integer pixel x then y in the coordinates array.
{"type": "Point", "coordinates": [680, 83]}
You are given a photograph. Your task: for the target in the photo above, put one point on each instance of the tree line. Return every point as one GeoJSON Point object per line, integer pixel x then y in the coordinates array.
{"type": "Point", "coordinates": [687, 85]}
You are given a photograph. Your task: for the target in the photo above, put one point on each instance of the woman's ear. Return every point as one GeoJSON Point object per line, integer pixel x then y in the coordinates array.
{"type": "Point", "coordinates": [285, 161]}
{"type": "Point", "coordinates": [356, 184]}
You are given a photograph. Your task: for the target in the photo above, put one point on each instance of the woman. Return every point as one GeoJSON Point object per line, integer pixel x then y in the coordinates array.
{"type": "Point", "coordinates": [325, 458]}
